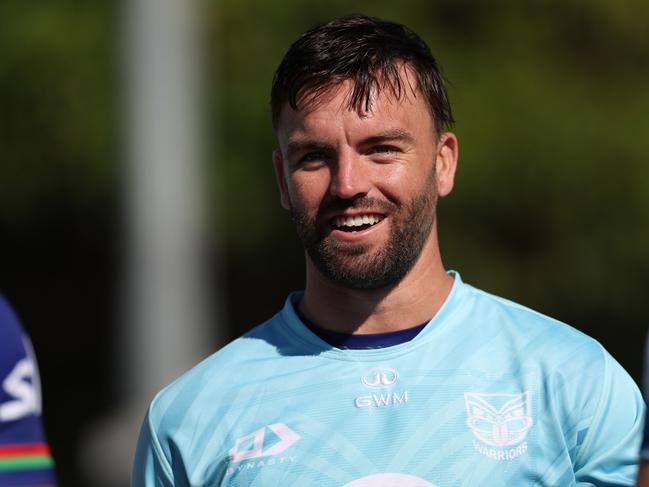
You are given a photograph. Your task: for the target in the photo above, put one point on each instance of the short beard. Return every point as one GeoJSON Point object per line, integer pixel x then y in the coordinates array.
{"type": "Point", "coordinates": [348, 265]}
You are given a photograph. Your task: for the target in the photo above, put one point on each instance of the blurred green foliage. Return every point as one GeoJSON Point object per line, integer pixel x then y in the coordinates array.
{"type": "Point", "coordinates": [57, 105]}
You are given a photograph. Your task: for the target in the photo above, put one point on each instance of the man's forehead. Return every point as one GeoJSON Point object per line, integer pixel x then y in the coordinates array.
{"type": "Point", "coordinates": [340, 98]}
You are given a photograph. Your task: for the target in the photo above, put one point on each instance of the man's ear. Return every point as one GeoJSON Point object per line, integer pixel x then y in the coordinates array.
{"type": "Point", "coordinates": [446, 163]}
{"type": "Point", "coordinates": [278, 162]}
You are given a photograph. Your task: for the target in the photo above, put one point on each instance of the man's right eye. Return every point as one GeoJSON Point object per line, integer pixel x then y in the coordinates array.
{"type": "Point", "coordinates": [312, 156]}
{"type": "Point", "coordinates": [312, 160]}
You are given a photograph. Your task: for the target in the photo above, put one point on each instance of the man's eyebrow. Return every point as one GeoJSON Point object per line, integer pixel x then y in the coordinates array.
{"type": "Point", "coordinates": [305, 145]}
{"type": "Point", "coordinates": [396, 135]}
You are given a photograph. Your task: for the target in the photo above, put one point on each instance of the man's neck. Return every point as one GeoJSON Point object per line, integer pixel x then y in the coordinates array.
{"type": "Point", "coordinates": [412, 301]}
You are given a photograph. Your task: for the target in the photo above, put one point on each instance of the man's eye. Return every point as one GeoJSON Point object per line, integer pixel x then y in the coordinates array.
{"type": "Point", "coordinates": [384, 149]}
{"type": "Point", "coordinates": [312, 160]}
{"type": "Point", "coordinates": [312, 156]}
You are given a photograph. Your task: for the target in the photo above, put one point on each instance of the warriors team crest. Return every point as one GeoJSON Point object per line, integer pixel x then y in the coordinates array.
{"type": "Point", "coordinates": [500, 423]}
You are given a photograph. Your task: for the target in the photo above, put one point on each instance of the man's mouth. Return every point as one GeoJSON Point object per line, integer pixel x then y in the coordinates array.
{"type": "Point", "coordinates": [356, 223]}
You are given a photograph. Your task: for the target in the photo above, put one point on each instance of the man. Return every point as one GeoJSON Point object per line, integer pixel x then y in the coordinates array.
{"type": "Point", "coordinates": [25, 458]}
{"type": "Point", "coordinates": [387, 369]}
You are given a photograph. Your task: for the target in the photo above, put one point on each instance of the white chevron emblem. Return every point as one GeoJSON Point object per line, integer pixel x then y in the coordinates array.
{"type": "Point", "coordinates": [252, 445]}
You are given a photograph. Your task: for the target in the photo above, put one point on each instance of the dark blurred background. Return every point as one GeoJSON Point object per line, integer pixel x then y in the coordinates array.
{"type": "Point", "coordinates": [550, 208]}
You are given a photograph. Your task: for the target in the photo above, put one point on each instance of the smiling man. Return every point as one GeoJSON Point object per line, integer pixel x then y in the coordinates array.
{"type": "Point", "coordinates": [387, 370]}
{"type": "Point", "coordinates": [361, 182]}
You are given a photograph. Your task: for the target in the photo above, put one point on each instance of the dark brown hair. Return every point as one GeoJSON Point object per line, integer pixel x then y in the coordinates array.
{"type": "Point", "coordinates": [370, 52]}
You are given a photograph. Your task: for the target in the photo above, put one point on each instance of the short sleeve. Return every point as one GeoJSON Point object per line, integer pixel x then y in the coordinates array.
{"type": "Point", "coordinates": [609, 453]}
{"type": "Point", "coordinates": [24, 453]}
{"type": "Point", "coordinates": [150, 467]}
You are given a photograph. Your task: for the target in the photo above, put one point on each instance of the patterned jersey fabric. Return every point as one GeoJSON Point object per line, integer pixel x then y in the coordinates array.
{"type": "Point", "coordinates": [488, 393]}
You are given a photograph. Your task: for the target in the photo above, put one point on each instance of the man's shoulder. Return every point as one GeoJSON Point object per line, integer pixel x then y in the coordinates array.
{"type": "Point", "coordinates": [221, 375]}
{"type": "Point", "coordinates": [578, 373]}
{"type": "Point", "coordinates": [518, 323]}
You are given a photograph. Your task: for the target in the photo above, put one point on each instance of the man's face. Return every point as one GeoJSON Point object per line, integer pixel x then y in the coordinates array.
{"type": "Point", "coordinates": [361, 187]}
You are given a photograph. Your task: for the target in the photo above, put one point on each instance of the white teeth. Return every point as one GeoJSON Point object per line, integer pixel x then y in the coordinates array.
{"type": "Point", "coordinates": [356, 221]}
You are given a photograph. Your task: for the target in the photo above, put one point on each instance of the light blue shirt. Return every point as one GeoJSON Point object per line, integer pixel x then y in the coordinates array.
{"type": "Point", "coordinates": [490, 393]}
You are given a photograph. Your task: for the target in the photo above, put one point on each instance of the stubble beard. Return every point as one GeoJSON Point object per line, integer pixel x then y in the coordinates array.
{"type": "Point", "coordinates": [353, 266]}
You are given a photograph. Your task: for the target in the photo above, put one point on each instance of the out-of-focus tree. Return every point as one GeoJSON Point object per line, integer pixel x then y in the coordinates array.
{"type": "Point", "coordinates": [57, 105]}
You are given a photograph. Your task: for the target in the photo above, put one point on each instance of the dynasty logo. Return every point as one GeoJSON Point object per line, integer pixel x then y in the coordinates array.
{"type": "Point", "coordinates": [269, 441]}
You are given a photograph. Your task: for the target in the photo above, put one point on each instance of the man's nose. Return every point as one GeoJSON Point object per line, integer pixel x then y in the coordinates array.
{"type": "Point", "coordinates": [349, 177]}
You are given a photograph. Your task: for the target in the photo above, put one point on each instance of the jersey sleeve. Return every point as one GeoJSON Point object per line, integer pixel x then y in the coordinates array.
{"type": "Point", "coordinates": [609, 453]}
{"type": "Point", "coordinates": [24, 453]}
{"type": "Point", "coordinates": [150, 468]}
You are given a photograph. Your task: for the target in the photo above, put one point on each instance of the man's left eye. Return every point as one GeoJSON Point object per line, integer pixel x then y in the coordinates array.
{"type": "Point", "coordinates": [384, 149]}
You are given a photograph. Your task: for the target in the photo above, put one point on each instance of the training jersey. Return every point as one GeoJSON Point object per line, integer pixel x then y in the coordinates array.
{"type": "Point", "coordinates": [489, 393]}
{"type": "Point", "coordinates": [24, 454]}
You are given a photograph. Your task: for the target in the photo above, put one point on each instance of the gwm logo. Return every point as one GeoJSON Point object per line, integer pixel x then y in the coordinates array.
{"type": "Point", "coordinates": [501, 421]}
{"type": "Point", "coordinates": [380, 377]}
{"type": "Point", "coordinates": [375, 379]}
{"type": "Point", "coordinates": [258, 444]}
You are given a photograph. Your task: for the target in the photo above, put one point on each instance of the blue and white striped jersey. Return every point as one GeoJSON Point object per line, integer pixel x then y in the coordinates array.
{"type": "Point", "coordinates": [488, 393]}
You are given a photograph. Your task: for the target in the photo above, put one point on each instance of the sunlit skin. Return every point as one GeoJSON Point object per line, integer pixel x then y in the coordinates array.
{"type": "Point", "coordinates": [328, 150]}
{"type": "Point", "coordinates": [643, 474]}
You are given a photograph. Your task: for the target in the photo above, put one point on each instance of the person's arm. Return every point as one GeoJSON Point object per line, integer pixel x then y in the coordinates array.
{"type": "Point", "coordinates": [643, 474]}
{"type": "Point", "coordinates": [643, 468]}
{"type": "Point", "coordinates": [25, 458]}
{"type": "Point", "coordinates": [26, 465]}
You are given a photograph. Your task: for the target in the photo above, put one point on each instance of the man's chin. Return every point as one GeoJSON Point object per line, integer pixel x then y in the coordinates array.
{"type": "Point", "coordinates": [359, 271]}
{"type": "Point", "coordinates": [349, 249]}
{"type": "Point", "coordinates": [359, 279]}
